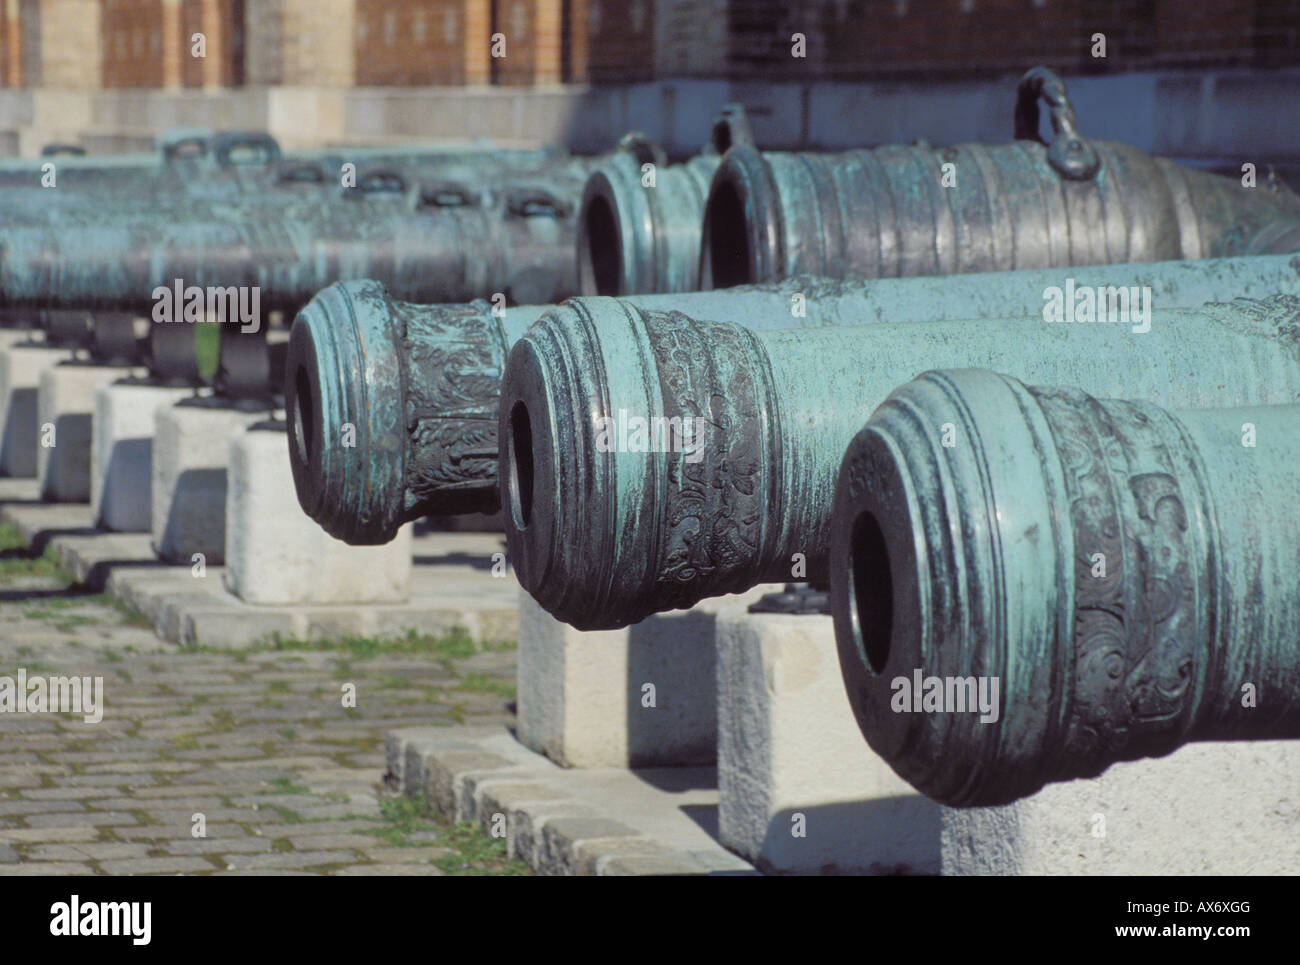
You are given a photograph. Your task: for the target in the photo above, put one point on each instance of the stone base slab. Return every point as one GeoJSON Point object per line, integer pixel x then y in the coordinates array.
{"type": "Point", "coordinates": [21, 365]}
{"type": "Point", "coordinates": [600, 821]}
{"type": "Point", "coordinates": [642, 696]}
{"type": "Point", "coordinates": [190, 450]}
{"type": "Point", "coordinates": [801, 791]}
{"type": "Point", "coordinates": [65, 404]}
{"type": "Point", "coordinates": [277, 555]}
{"type": "Point", "coordinates": [121, 471]}
{"type": "Point", "coordinates": [1213, 808]}
{"type": "Point", "coordinates": [452, 587]}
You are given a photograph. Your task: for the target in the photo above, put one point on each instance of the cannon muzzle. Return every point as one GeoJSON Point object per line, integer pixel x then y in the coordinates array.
{"type": "Point", "coordinates": [1107, 579]}
{"type": "Point", "coordinates": [392, 408]}
{"type": "Point", "coordinates": [639, 227]}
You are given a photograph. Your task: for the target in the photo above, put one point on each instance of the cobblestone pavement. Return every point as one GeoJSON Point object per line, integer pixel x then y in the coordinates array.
{"type": "Point", "coordinates": [287, 779]}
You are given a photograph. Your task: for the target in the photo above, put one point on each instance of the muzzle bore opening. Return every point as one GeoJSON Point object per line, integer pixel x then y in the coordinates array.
{"type": "Point", "coordinates": [304, 417]}
{"type": "Point", "coordinates": [520, 481]}
{"type": "Point", "coordinates": [599, 262]}
{"type": "Point", "coordinates": [728, 240]}
{"type": "Point", "coordinates": [871, 590]}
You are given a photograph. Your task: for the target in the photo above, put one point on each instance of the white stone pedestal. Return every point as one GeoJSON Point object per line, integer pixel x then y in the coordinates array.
{"type": "Point", "coordinates": [21, 365]}
{"type": "Point", "coordinates": [190, 449]}
{"type": "Point", "coordinates": [65, 403]}
{"type": "Point", "coordinates": [121, 473]}
{"type": "Point", "coordinates": [583, 698]}
{"type": "Point", "coordinates": [800, 790]}
{"type": "Point", "coordinates": [791, 760]}
{"type": "Point", "coordinates": [276, 554]}
{"type": "Point", "coordinates": [1230, 808]}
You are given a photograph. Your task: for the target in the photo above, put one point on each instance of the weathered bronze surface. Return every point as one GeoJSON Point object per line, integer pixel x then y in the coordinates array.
{"type": "Point", "coordinates": [603, 533]}
{"type": "Point", "coordinates": [639, 228]}
{"type": "Point", "coordinates": [1126, 574]}
{"type": "Point", "coordinates": [200, 163]}
{"type": "Point", "coordinates": [420, 385]}
{"type": "Point", "coordinates": [519, 244]}
{"type": "Point", "coordinates": [897, 211]}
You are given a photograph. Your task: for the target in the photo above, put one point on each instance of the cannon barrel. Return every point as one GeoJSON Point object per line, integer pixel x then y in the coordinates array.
{"type": "Point", "coordinates": [1119, 579]}
{"type": "Point", "coordinates": [639, 230]}
{"type": "Point", "coordinates": [116, 260]}
{"type": "Point", "coordinates": [651, 459]}
{"type": "Point", "coordinates": [193, 189]}
{"type": "Point", "coordinates": [420, 384]}
{"type": "Point", "coordinates": [392, 406]}
{"type": "Point", "coordinates": [203, 162]}
{"type": "Point", "coordinates": [897, 211]}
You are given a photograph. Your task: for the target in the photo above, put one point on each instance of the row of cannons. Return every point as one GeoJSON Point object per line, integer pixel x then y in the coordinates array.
{"type": "Point", "coordinates": [1023, 413]}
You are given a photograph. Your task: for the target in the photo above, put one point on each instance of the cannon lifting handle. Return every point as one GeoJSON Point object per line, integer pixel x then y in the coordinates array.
{"type": "Point", "coordinates": [299, 172]}
{"type": "Point", "coordinates": [1070, 154]}
{"type": "Point", "coordinates": [378, 179]}
{"type": "Point", "coordinates": [526, 202]}
{"type": "Point", "coordinates": [730, 127]}
{"type": "Point", "coordinates": [644, 148]}
{"type": "Point", "coordinates": [245, 148]}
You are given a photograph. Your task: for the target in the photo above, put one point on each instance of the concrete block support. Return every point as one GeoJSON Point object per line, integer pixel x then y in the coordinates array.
{"type": "Point", "coordinates": [188, 505]}
{"type": "Point", "coordinates": [21, 365]}
{"type": "Point", "coordinates": [121, 474]}
{"type": "Point", "coordinates": [1230, 808]}
{"type": "Point", "coordinates": [799, 789]}
{"type": "Point", "coordinates": [642, 696]}
{"type": "Point", "coordinates": [65, 412]}
{"type": "Point", "coordinates": [276, 554]}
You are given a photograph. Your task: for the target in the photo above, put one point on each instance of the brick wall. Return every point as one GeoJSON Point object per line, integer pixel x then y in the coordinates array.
{"type": "Point", "coordinates": [919, 38]}
{"type": "Point", "coordinates": [132, 43]}
{"type": "Point", "coordinates": [909, 38]}
{"type": "Point", "coordinates": [9, 64]}
{"type": "Point", "coordinates": [146, 43]}
{"type": "Point", "coordinates": [611, 41]}
{"type": "Point", "coordinates": [412, 42]}
{"type": "Point", "coordinates": [690, 38]}
{"type": "Point", "coordinates": [533, 37]}
{"type": "Point", "coordinates": [300, 42]}
{"type": "Point", "coordinates": [191, 22]}
{"type": "Point", "coordinates": [60, 43]}
{"type": "Point", "coordinates": [1263, 33]}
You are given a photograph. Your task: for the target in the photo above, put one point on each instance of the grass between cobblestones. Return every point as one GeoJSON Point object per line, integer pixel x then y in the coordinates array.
{"type": "Point", "coordinates": [17, 563]}
{"type": "Point", "coordinates": [288, 778]}
{"type": "Point", "coordinates": [474, 852]}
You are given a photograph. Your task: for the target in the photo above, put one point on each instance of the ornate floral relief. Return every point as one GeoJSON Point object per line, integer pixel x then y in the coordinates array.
{"type": "Point", "coordinates": [455, 361]}
{"type": "Point", "coordinates": [1134, 626]}
{"type": "Point", "coordinates": [713, 515]}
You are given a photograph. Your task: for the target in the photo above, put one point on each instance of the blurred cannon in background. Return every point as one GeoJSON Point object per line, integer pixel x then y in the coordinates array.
{"type": "Point", "coordinates": [639, 230]}
{"type": "Point", "coordinates": [430, 243]}
{"type": "Point", "coordinates": [1123, 572]}
{"type": "Point", "coordinates": [898, 211]}
{"type": "Point", "coordinates": [202, 163]}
